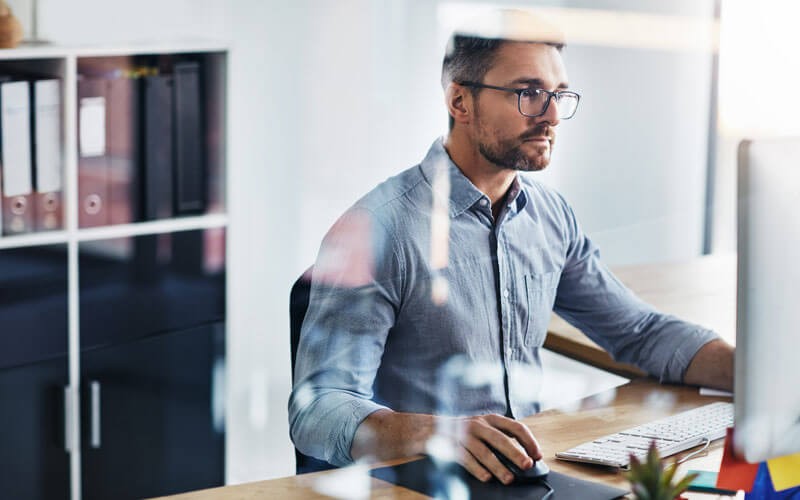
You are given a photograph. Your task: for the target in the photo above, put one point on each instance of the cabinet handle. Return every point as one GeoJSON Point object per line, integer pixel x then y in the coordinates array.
{"type": "Point", "coordinates": [67, 420]}
{"type": "Point", "coordinates": [94, 388]}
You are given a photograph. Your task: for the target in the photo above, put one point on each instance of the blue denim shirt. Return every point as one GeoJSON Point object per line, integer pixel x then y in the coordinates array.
{"type": "Point", "coordinates": [388, 326]}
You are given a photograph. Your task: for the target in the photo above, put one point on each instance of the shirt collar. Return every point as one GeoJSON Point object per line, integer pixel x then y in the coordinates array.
{"type": "Point", "coordinates": [516, 194]}
{"type": "Point", "coordinates": [463, 193]}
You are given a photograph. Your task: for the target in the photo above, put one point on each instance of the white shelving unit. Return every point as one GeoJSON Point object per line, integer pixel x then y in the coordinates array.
{"type": "Point", "coordinates": [64, 63]}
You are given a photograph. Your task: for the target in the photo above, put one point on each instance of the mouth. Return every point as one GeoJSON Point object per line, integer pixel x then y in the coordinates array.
{"type": "Point", "coordinates": [538, 141]}
{"type": "Point", "coordinates": [539, 135]}
{"type": "Point", "coordinates": [537, 138]}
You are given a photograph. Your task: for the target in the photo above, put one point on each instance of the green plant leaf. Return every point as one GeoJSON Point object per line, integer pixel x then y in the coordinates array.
{"type": "Point", "coordinates": [651, 480]}
{"type": "Point", "coordinates": [684, 483]}
{"type": "Point", "coordinates": [641, 492]}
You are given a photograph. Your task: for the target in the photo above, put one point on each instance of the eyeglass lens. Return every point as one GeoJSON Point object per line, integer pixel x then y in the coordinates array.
{"type": "Point", "coordinates": [532, 103]}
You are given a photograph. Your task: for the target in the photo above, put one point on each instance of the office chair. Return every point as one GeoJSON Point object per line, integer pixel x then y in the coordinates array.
{"type": "Point", "coordinates": [298, 305]}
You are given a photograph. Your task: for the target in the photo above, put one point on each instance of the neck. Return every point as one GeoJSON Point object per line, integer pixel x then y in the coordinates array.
{"type": "Point", "coordinates": [490, 179]}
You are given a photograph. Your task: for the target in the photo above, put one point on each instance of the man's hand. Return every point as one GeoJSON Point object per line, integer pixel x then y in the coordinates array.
{"type": "Point", "coordinates": [387, 435]}
{"type": "Point", "coordinates": [474, 435]}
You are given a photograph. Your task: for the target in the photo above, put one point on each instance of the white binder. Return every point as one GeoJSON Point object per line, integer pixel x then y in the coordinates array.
{"type": "Point", "coordinates": [16, 157]}
{"type": "Point", "coordinates": [48, 154]}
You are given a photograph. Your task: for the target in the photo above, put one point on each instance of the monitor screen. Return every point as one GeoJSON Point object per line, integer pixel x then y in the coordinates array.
{"type": "Point", "coordinates": [767, 385]}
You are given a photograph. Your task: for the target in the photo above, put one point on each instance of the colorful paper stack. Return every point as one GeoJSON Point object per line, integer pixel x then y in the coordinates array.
{"type": "Point", "coordinates": [777, 478]}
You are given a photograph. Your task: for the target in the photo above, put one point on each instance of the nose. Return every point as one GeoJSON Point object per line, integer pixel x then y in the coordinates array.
{"type": "Point", "coordinates": [551, 114]}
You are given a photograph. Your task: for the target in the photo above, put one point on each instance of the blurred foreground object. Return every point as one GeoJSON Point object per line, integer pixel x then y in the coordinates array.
{"type": "Point", "coordinates": [10, 28]}
{"type": "Point", "coordinates": [520, 25]}
{"type": "Point", "coordinates": [651, 480]}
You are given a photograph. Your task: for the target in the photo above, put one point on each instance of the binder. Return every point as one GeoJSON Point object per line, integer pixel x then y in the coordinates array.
{"type": "Point", "coordinates": [93, 169]}
{"type": "Point", "coordinates": [157, 147]}
{"type": "Point", "coordinates": [47, 154]}
{"type": "Point", "coordinates": [15, 141]}
{"type": "Point", "coordinates": [122, 141]}
{"type": "Point", "coordinates": [190, 178]}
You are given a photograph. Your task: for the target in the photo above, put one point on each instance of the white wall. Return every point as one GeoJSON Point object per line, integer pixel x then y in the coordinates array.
{"type": "Point", "coordinates": [327, 98]}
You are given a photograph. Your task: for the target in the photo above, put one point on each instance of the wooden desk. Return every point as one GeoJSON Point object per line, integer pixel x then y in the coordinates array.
{"type": "Point", "coordinates": [635, 403]}
{"type": "Point", "coordinates": [701, 291]}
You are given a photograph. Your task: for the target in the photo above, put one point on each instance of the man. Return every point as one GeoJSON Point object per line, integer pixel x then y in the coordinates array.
{"type": "Point", "coordinates": [431, 296]}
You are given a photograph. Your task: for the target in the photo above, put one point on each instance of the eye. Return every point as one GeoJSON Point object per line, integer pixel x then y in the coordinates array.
{"type": "Point", "coordinates": [534, 95]}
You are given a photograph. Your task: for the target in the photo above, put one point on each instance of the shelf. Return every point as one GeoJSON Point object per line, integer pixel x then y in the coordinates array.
{"type": "Point", "coordinates": [75, 284]}
{"type": "Point", "coordinates": [153, 227]}
{"type": "Point", "coordinates": [33, 239]}
{"type": "Point", "coordinates": [49, 51]}
{"type": "Point", "coordinates": [120, 231]}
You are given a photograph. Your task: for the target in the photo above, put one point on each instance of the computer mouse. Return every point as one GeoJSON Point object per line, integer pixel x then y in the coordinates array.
{"type": "Point", "coordinates": [540, 470]}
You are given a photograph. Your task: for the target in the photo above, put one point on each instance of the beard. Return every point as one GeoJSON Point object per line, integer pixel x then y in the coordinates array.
{"type": "Point", "coordinates": [508, 153]}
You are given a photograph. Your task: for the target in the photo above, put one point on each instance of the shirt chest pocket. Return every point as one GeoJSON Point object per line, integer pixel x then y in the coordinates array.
{"type": "Point", "coordinates": [540, 290]}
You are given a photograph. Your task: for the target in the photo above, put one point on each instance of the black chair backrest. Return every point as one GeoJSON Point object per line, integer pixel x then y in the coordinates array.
{"type": "Point", "coordinates": [298, 305]}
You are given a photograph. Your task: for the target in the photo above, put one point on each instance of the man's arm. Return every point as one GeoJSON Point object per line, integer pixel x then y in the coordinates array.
{"type": "Point", "coordinates": [354, 296]}
{"type": "Point", "coordinates": [386, 434]}
{"type": "Point", "coordinates": [593, 300]}
{"type": "Point", "coordinates": [712, 366]}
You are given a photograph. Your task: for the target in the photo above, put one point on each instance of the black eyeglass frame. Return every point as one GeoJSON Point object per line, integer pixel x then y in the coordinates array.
{"type": "Point", "coordinates": [557, 94]}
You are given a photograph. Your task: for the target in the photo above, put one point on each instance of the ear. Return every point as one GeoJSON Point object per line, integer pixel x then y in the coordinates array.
{"type": "Point", "coordinates": [459, 103]}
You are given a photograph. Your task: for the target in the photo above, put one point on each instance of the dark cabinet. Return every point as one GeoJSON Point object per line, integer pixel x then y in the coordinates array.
{"type": "Point", "coordinates": [153, 415]}
{"type": "Point", "coordinates": [34, 463]}
{"type": "Point", "coordinates": [152, 362]}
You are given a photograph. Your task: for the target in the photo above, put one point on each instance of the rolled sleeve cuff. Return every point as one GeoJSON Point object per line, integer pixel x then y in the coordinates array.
{"type": "Point", "coordinates": [684, 353]}
{"type": "Point", "coordinates": [352, 414]}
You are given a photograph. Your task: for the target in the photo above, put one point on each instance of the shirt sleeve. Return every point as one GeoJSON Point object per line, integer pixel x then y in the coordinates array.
{"type": "Point", "coordinates": [593, 300]}
{"type": "Point", "coordinates": [355, 294]}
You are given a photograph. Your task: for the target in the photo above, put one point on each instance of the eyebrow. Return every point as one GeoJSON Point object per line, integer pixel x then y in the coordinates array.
{"type": "Point", "coordinates": [536, 82]}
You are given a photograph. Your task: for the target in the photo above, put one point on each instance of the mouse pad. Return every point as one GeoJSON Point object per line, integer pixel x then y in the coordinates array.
{"type": "Point", "coordinates": [451, 480]}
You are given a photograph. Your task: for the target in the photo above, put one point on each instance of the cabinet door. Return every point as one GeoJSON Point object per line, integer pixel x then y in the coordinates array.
{"type": "Point", "coordinates": [153, 415]}
{"type": "Point", "coordinates": [33, 373]}
{"type": "Point", "coordinates": [34, 463]}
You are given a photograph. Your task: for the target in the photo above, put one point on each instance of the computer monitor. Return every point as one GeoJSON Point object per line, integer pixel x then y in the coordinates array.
{"type": "Point", "coordinates": [767, 385]}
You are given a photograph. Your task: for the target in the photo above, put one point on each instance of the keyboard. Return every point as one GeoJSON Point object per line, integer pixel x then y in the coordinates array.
{"type": "Point", "coordinates": [672, 435]}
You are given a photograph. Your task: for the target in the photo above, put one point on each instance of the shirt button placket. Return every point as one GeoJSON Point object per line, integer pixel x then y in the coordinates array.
{"type": "Point", "coordinates": [507, 306]}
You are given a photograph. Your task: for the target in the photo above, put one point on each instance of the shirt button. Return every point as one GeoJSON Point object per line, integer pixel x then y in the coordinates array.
{"type": "Point", "coordinates": [484, 202]}
{"type": "Point", "coordinates": [509, 352]}
{"type": "Point", "coordinates": [506, 293]}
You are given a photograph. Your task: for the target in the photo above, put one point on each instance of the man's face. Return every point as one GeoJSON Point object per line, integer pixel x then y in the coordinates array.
{"type": "Point", "coordinates": [502, 134]}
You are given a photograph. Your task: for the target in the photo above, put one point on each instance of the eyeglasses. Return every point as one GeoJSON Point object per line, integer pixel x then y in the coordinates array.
{"type": "Point", "coordinates": [534, 102]}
